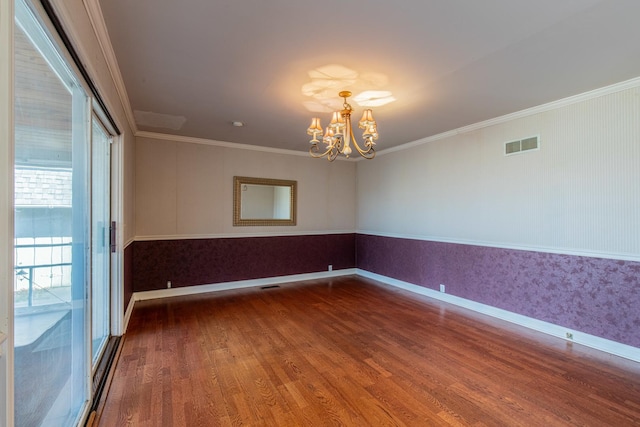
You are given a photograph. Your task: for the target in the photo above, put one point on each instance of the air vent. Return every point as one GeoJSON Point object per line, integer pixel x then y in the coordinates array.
{"type": "Point", "coordinates": [521, 145]}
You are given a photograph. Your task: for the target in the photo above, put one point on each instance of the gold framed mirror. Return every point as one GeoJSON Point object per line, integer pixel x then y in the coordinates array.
{"type": "Point", "coordinates": [264, 201]}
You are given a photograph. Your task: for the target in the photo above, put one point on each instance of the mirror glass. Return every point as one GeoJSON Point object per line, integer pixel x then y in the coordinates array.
{"type": "Point", "coordinates": [263, 201]}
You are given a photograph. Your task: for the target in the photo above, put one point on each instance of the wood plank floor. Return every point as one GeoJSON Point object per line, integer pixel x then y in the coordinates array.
{"type": "Point", "coordinates": [351, 352]}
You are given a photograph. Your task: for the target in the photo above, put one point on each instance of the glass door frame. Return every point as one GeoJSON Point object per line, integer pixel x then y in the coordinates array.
{"type": "Point", "coordinates": [6, 206]}
{"type": "Point", "coordinates": [107, 235]}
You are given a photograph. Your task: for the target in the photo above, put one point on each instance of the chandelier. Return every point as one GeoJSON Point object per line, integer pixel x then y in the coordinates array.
{"type": "Point", "coordinates": [339, 134]}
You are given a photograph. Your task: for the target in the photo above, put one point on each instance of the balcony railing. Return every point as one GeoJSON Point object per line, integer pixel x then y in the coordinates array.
{"type": "Point", "coordinates": [54, 281]}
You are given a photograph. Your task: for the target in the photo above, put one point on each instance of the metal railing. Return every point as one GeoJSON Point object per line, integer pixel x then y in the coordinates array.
{"type": "Point", "coordinates": [26, 272]}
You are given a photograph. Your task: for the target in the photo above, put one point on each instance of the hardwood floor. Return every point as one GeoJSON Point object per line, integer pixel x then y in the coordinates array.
{"type": "Point", "coordinates": [352, 352]}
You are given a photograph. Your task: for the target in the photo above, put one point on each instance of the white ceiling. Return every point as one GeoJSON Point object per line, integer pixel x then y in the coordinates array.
{"type": "Point", "coordinates": [191, 67]}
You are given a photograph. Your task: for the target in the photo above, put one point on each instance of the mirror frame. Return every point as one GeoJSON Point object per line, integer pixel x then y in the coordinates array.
{"type": "Point", "coordinates": [239, 181]}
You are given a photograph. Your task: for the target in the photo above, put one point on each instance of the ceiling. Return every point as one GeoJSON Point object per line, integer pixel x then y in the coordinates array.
{"type": "Point", "coordinates": [192, 67]}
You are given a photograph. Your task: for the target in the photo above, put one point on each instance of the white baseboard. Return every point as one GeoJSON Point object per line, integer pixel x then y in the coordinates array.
{"type": "Point", "coordinates": [592, 341]}
{"type": "Point", "coordinates": [200, 289]}
{"type": "Point", "coordinates": [127, 314]}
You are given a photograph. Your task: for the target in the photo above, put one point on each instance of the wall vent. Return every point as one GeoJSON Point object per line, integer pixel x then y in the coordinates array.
{"type": "Point", "coordinates": [521, 145]}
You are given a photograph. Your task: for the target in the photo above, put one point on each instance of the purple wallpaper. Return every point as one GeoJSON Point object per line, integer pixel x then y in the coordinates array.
{"type": "Point", "coordinates": [593, 295]}
{"type": "Point", "coordinates": [191, 262]}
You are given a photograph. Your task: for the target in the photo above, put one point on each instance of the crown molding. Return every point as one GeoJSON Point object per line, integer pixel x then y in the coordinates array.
{"type": "Point", "coordinates": [102, 34]}
{"type": "Point", "coordinates": [204, 141]}
{"type": "Point", "coordinates": [596, 93]}
{"type": "Point", "coordinates": [225, 144]}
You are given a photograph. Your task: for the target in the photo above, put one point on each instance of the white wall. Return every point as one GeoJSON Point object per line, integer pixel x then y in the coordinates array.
{"type": "Point", "coordinates": [580, 193]}
{"type": "Point", "coordinates": [185, 189]}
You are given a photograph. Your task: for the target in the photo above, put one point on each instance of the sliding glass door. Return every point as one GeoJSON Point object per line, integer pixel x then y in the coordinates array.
{"type": "Point", "coordinates": [100, 247]}
{"type": "Point", "coordinates": [51, 231]}
{"type": "Point", "coordinates": [62, 297]}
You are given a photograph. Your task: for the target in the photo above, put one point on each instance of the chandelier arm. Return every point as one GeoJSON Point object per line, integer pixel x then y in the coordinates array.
{"type": "Point", "coordinates": [314, 150]}
{"type": "Point", "coordinates": [369, 153]}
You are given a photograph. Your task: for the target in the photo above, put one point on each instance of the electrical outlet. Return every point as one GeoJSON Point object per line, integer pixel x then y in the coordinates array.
{"type": "Point", "coordinates": [442, 288]}
{"type": "Point", "coordinates": [330, 267]}
{"type": "Point", "coordinates": [168, 284]}
{"type": "Point", "coordinates": [569, 336]}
